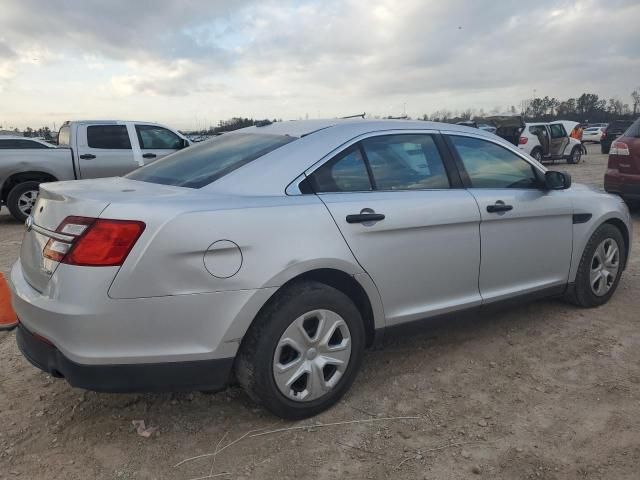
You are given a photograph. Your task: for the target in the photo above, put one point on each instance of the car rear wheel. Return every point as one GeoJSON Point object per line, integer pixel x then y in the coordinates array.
{"type": "Point", "coordinates": [303, 351]}
{"type": "Point", "coordinates": [22, 198]}
{"type": "Point", "coordinates": [600, 268]}
{"type": "Point", "coordinates": [576, 155]}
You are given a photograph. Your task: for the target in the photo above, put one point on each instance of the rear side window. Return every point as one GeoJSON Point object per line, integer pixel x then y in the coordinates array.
{"type": "Point", "coordinates": [114, 137]}
{"type": "Point", "coordinates": [208, 161]}
{"type": "Point", "coordinates": [20, 144]}
{"type": "Point", "coordinates": [405, 162]}
{"type": "Point", "coordinates": [157, 138]}
{"type": "Point", "coordinates": [63, 136]}
{"type": "Point", "coordinates": [345, 173]}
{"type": "Point", "coordinates": [633, 130]}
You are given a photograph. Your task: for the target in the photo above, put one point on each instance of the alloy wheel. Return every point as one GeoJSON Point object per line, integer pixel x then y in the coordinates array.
{"type": "Point", "coordinates": [26, 201]}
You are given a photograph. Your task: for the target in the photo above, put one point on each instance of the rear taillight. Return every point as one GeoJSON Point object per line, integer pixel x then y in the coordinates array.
{"type": "Point", "coordinates": [523, 140]}
{"type": "Point", "coordinates": [93, 242]}
{"type": "Point", "coordinates": [619, 148]}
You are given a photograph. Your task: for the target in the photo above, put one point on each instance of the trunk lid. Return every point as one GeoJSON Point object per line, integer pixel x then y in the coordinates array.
{"type": "Point", "coordinates": [57, 201]}
{"type": "Point", "coordinates": [508, 127]}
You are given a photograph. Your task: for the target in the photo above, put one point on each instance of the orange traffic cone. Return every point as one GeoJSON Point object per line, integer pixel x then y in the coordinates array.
{"type": "Point", "coordinates": [8, 317]}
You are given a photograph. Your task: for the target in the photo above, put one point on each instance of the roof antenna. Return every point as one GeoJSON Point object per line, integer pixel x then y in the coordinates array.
{"type": "Point", "coordinates": [361, 115]}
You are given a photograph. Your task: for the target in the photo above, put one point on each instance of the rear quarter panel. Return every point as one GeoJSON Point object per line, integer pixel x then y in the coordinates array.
{"type": "Point", "coordinates": [56, 162]}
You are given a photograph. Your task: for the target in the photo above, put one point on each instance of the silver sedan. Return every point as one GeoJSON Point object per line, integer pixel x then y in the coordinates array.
{"type": "Point", "coordinates": [274, 255]}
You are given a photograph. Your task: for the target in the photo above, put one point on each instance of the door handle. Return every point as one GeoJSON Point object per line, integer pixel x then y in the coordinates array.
{"type": "Point", "coordinates": [499, 207]}
{"type": "Point", "coordinates": [149, 155]}
{"type": "Point", "coordinates": [87, 156]}
{"type": "Point", "coordinates": [365, 217]}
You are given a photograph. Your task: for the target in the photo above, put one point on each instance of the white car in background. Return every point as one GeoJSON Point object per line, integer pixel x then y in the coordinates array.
{"type": "Point", "coordinates": [550, 141]}
{"type": "Point", "coordinates": [593, 134]}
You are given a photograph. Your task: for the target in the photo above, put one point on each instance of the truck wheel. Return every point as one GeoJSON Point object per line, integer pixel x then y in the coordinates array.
{"type": "Point", "coordinates": [303, 351]}
{"type": "Point", "coordinates": [537, 154]}
{"type": "Point", "coordinates": [22, 198]}
{"type": "Point", "coordinates": [576, 155]}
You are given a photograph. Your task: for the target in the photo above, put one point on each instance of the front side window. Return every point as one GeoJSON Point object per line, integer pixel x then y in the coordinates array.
{"type": "Point", "coordinates": [157, 138]}
{"type": "Point", "coordinates": [208, 161]}
{"type": "Point", "coordinates": [114, 137]}
{"type": "Point", "coordinates": [345, 173]}
{"type": "Point", "coordinates": [491, 166]}
{"type": "Point", "coordinates": [405, 162]}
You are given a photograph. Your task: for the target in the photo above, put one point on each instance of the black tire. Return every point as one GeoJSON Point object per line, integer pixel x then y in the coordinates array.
{"type": "Point", "coordinates": [575, 156]}
{"type": "Point", "coordinates": [580, 293]}
{"type": "Point", "coordinates": [253, 365]}
{"type": "Point", "coordinates": [537, 154]}
{"type": "Point", "coordinates": [604, 149]}
{"type": "Point", "coordinates": [13, 198]}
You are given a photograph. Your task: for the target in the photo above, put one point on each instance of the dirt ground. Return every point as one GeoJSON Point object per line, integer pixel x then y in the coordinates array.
{"type": "Point", "coordinates": [544, 390]}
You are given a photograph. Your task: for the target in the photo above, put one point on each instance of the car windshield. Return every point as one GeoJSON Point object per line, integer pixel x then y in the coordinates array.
{"type": "Point", "coordinates": [206, 162]}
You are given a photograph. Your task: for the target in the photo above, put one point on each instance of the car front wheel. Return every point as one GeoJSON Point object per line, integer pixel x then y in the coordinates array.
{"type": "Point", "coordinates": [600, 268]}
{"type": "Point", "coordinates": [303, 351]}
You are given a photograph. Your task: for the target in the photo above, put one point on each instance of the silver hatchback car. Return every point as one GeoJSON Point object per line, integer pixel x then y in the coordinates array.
{"type": "Point", "coordinates": [274, 255]}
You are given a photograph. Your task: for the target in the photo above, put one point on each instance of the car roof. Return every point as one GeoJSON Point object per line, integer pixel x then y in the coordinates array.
{"type": "Point", "coordinates": [317, 140]}
{"type": "Point", "coordinates": [302, 128]}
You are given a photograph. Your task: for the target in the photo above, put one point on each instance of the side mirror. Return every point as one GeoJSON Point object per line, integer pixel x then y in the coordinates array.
{"type": "Point", "coordinates": [554, 180]}
{"type": "Point", "coordinates": [185, 143]}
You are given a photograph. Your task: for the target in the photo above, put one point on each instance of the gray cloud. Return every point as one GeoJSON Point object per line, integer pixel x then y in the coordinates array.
{"type": "Point", "coordinates": [329, 50]}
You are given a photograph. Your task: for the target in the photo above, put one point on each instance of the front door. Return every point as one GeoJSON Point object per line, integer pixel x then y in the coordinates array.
{"type": "Point", "coordinates": [559, 139]}
{"type": "Point", "coordinates": [105, 151]}
{"type": "Point", "coordinates": [417, 237]}
{"type": "Point", "coordinates": [526, 231]}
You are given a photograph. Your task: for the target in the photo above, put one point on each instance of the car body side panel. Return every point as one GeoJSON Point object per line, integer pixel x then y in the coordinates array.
{"type": "Point", "coordinates": [277, 238]}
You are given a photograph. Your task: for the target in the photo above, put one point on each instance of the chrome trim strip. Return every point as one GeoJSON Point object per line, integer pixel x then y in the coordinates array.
{"type": "Point", "coordinates": [55, 235]}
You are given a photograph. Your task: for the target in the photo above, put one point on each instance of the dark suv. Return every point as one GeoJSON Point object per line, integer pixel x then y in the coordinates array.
{"type": "Point", "coordinates": [613, 131]}
{"type": "Point", "coordinates": [623, 170]}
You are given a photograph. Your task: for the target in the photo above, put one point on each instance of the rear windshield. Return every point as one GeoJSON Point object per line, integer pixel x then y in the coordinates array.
{"type": "Point", "coordinates": [206, 162]}
{"type": "Point", "coordinates": [634, 130]}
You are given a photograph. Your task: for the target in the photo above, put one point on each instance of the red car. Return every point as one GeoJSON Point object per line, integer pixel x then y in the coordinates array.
{"type": "Point", "coordinates": [623, 170]}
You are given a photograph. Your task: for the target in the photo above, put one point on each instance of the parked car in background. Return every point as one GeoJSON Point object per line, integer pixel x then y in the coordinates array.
{"type": "Point", "coordinates": [550, 141]}
{"type": "Point", "coordinates": [592, 134]}
{"type": "Point", "coordinates": [623, 169]}
{"type": "Point", "coordinates": [487, 128]}
{"type": "Point", "coordinates": [613, 131]}
{"type": "Point", "coordinates": [276, 254]}
{"type": "Point", "coordinates": [14, 142]}
{"type": "Point", "coordinates": [86, 149]}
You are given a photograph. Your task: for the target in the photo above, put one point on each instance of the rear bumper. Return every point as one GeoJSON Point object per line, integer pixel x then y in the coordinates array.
{"type": "Point", "coordinates": [150, 377]}
{"type": "Point", "coordinates": [626, 185]}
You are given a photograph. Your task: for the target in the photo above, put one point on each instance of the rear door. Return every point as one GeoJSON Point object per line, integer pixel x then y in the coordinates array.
{"type": "Point", "coordinates": [156, 141]}
{"type": "Point", "coordinates": [392, 198]}
{"type": "Point", "coordinates": [526, 231]}
{"type": "Point", "coordinates": [104, 150]}
{"type": "Point", "coordinates": [559, 139]}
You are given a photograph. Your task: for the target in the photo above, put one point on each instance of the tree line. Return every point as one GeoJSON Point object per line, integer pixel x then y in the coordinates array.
{"type": "Point", "coordinates": [588, 107]}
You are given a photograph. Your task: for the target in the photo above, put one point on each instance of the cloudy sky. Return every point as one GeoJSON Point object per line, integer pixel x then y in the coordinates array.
{"type": "Point", "coordinates": [190, 63]}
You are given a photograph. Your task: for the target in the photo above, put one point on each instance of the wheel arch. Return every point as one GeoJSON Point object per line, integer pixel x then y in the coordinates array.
{"type": "Point", "coordinates": [16, 178]}
{"type": "Point", "coordinates": [358, 287]}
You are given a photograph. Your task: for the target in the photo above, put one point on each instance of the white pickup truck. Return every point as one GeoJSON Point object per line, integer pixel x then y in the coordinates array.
{"type": "Point", "coordinates": [86, 149]}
